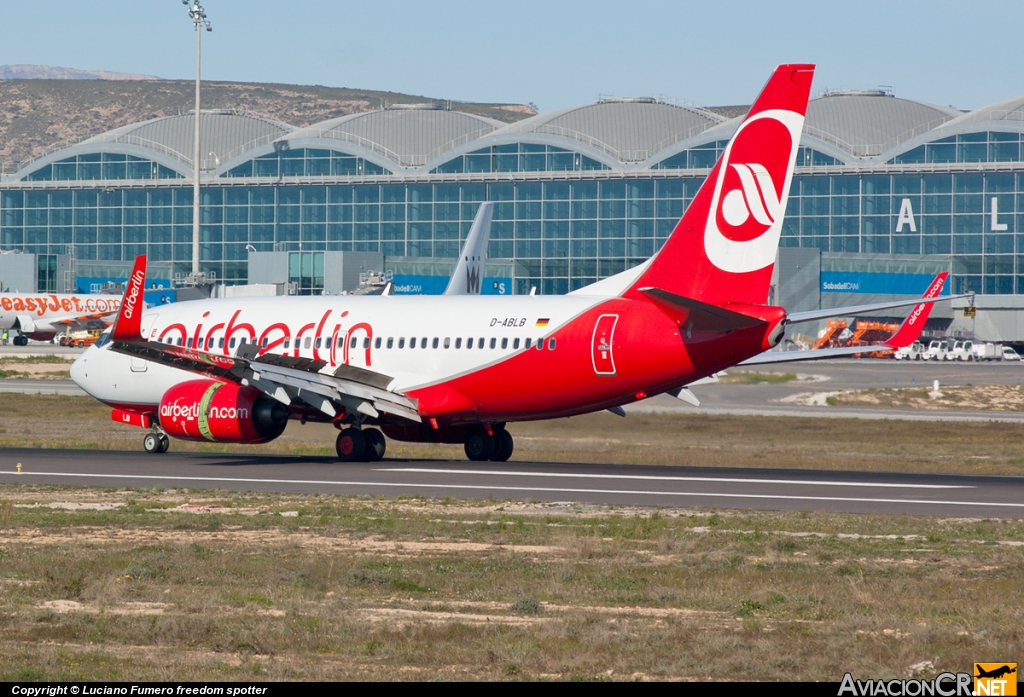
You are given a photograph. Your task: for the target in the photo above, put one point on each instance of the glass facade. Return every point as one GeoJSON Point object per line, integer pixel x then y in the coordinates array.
{"type": "Point", "coordinates": [305, 162]}
{"type": "Point", "coordinates": [520, 157]}
{"type": "Point", "coordinates": [102, 166]}
{"type": "Point", "coordinates": [565, 220]}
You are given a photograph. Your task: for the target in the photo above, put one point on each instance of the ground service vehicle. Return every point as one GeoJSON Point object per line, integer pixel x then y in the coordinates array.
{"type": "Point", "coordinates": [1009, 354]}
{"type": "Point", "coordinates": [963, 350]}
{"type": "Point", "coordinates": [987, 351]}
{"type": "Point", "coordinates": [457, 369]}
{"type": "Point", "coordinates": [936, 350]}
{"type": "Point", "coordinates": [909, 353]}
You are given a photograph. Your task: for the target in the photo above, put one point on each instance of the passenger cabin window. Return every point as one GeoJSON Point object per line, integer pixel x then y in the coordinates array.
{"type": "Point", "coordinates": [458, 342]}
{"type": "Point", "coordinates": [504, 342]}
{"type": "Point", "coordinates": [435, 342]}
{"type": "Point", "coordinates": [515, 343]}
{"type": "Point", "coordinates": [233, 340]}
{"type": "Point", "coordinates": [318, 340]}
{"type": "Point", "coordinates": [366, 342]}
{"type": "Point", "coordinates": [540, 344]}
{"type": "Point", "coordinates": [447, 342]}
{"type": "Point", "coordinates": [287, 340]}
{"type": "Point", "coordinates": [327, 342]}
{"type": "Point", "coordinates": [527, 344]}
{"type": "Point", "coordinates": [494, 342]}
{"type": "Point", "coordinates": [265, 342]}
{"type": "Point", "coordinates": [376, 344]}
{"type": "Point", "coordinates": [551, 344]}
{"type": "Point", "coordinates": [190, 342]}
{"type": "Point", "coordinates": [391, 342]}
{"type": "Point", "coordinates": [412, 342]}
{"type": "Point", "coordinates": [401, 342]}
{"type": "Point", "coordinates": [423, 344]}
{"type": "Point", "coordinates": [220, 343]}
{"type": "Point", "coordinates": [352, 343]}
{"type": "Point", "coordinates": [469, 343]}
{"type": "Point", "coordinates": [309, 340]}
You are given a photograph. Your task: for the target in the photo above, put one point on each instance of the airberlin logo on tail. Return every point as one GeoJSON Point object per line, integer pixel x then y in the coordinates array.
{"type": "Point", "coordinates": [138, 278]}
{"type": "Point", "coordinates": [932, 292]}
{"type": "Point", "coordinates": [743, 229]}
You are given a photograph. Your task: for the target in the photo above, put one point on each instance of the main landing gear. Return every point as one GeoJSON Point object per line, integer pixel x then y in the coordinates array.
{"type": "Point", "coordinates": [156, 442]}
{"type": "Point", "coordinates": [496, 446]}
{"type": "Point", "coordinates": [355, 445]}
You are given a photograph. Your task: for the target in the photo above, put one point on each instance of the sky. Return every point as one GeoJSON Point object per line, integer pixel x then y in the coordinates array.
{"type": "Point", "coordinates": [552, 53]}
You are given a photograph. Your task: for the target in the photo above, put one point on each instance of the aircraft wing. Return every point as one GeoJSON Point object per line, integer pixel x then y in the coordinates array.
{"type": "Point", "coordinates": [909, 332]}
{"type": "Point", "coordinates": [287, 379]}
{"type": "Point", "coordinates": [469, 272]}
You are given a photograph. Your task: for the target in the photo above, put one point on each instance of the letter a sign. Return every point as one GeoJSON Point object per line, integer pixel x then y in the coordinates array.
{"type": "Point", "coordinates": [906, 216]}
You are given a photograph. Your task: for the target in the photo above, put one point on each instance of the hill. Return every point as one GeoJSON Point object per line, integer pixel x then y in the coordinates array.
{"type": "Point", "coordinates": [37, 115]}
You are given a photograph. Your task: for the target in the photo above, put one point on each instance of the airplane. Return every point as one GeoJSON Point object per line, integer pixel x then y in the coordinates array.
{"type": "Point", "coordinates": [41, 316]}
{"type": "Point", "coordinates": [457, 369]}
{"type": "Point", "coordinates": [469, 272]}
{"type": "Point", "coordinates": [468, 275]}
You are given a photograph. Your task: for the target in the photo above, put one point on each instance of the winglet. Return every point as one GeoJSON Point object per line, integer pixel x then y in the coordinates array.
{"type": "Point", "coordinates": [910, 330]}
{"type": "Point", "coordinates": [128, 325]}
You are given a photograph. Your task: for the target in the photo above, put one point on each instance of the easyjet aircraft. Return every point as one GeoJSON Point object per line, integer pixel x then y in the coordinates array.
{"type": "Point", "coordinates": [42, 316]}
{"type": "Point", "coordinates": [457, 369]}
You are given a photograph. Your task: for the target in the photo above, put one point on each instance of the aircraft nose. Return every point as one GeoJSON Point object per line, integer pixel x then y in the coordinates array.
{"type": "Point", "coordinates": [80, 368]}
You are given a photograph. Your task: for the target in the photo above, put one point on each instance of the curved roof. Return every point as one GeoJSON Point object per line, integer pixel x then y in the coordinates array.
{"type": "Point", "coordinates": [225, 133]}
{"type": "Point", "coordinates": [1009, 110]}
{"type": "Point", "coordinates": [631, 130]}
{"type": "Point", "coordinates": [869, 122]}
{"type": "Point", "coordinates": [409, 135]}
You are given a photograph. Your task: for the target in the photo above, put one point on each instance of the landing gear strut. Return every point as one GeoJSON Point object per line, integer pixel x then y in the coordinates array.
{"type": "Point", "coordinates": [482, 446]}
{"type": "Point", "coordinates": [156, 443]}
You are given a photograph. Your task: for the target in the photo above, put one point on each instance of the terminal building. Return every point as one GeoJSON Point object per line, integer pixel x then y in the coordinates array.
{"type": "Point", "coordinates": [887, 192]}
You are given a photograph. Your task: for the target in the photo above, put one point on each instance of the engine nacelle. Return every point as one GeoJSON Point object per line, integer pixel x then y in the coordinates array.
{"type": "Point", "coordinates": [223, 412]}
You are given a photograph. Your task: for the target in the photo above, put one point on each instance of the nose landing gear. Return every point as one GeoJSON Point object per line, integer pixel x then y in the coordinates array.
{"type": "Point", "coordinates": [156, 442]}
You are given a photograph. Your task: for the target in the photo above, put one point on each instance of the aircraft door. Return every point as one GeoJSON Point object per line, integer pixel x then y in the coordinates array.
{"type": "Point", "coordinates": [139, 365]}
{"type": "Point", "coordinates": [602, 347]}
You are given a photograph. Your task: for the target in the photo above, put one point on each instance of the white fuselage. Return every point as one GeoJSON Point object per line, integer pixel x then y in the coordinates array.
{"type": "Point", "coordinates": [417, 340]}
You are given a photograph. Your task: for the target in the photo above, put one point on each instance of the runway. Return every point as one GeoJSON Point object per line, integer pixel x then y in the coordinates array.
{"type": "Point", "coordinates": [762, 489]}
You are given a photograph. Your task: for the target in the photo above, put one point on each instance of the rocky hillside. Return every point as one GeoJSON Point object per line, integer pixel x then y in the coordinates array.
{"type": "Point", "coordinates": [38, 114]}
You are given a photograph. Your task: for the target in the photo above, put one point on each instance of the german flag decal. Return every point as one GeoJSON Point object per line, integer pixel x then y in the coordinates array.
{"type": "Point", "coordinates": [543, 322]}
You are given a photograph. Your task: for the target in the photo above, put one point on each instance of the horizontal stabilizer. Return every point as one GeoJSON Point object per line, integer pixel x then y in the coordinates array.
{"type": "Point", "coordinates": [697, 316]}
{"type": "Point", "coordinates": [812, 315]}
{"type": "Point", "coordinates": [685, 395]}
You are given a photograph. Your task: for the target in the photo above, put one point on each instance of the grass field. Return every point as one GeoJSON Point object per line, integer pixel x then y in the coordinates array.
{"type": "Point", "coordinates": [113, 584]}
{"type": "Point", "coordinates": [126, 585]}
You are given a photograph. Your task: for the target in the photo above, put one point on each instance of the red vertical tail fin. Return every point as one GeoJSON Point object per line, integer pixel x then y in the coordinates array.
{"type": "Point", "coordinates": [913, 325]}
{"type": "Point", "coordinates": [724, 247]}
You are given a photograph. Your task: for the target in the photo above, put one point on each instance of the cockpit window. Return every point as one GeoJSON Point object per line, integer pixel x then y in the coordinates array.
{"type": "Point", "coordinates": [103, 340]}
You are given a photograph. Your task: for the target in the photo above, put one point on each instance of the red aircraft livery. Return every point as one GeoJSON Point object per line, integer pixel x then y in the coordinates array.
{"type": "Point", "coordinates": [458, 369]}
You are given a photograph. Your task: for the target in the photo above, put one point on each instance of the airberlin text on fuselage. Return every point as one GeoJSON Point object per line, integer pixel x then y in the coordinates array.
{"type": "Point", "coordinates": [275, 334]}
{"type": "Point", "coordinates": [41, 304]}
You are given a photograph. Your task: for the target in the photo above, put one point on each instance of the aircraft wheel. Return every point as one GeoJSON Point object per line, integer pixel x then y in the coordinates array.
{"type": "Point", "coordinates": [479, 446]}
{"type": "Point", "coordinates": [152, 443]}
{"type": "Point", "coordinates": [375, 444]}
{"type": "Point", "coordinates": [503, 446]}
{"type": "Point", "coordinates": [20, 341]}
{"type": "Point", "coordinates": [351, 445]}
{"type": "Point", "coordinates": [165, 443]}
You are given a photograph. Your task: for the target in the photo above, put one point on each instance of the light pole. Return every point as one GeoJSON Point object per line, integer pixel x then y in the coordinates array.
{"type": "Point", "coordinates": [198, 17]}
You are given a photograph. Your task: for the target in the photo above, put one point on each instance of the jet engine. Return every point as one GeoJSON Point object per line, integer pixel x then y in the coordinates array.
{"type": "Point", "coordinates": [207, 410]}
